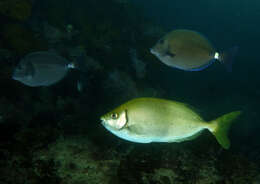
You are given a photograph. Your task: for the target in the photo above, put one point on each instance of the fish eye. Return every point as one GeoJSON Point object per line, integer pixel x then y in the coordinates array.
{"type": "Point", "coordinates": [114, 115]}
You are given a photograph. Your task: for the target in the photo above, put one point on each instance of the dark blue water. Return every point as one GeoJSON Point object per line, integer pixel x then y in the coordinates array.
{"type": "Point", "coordinates": [53, 134]}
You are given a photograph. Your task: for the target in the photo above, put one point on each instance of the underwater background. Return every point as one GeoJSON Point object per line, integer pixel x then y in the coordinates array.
{"type": "Point", "coordinates": [53, 134]}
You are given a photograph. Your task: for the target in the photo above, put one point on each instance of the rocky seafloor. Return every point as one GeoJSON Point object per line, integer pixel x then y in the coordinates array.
{"type": "Point", "coordinates": [46, 158]}
{"type": "Point", "coordinates": [53, 134]}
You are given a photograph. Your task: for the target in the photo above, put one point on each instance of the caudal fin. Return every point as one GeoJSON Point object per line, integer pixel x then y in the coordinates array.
{"type": "Point", "coordinates": [228, 56]}
{"type": "Point", "coordinates": [81, 62]}
{"type": "Point", "coordinates": [220, 128]}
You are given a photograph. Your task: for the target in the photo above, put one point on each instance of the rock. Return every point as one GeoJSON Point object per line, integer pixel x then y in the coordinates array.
{"type": "Point", "coordinates": [21, 39]}
{"type": "Point", "coordinates": [16, 9]}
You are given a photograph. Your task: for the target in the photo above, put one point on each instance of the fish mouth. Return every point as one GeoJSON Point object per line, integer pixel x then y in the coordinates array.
{"type": "Point", "coordinates": [154, 52]}
{"type": "Point", "coordinates": [14, 77]}
{"type": "Point", "coordinates": [103, 121]}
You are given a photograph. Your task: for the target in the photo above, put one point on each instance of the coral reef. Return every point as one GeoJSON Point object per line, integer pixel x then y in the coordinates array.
{"type": "Point", "coordinates": [76, 162]}
{"type": "Point", "coordinates": [53, 158]}
{"type": "Point", "coordinates": [178, 166]}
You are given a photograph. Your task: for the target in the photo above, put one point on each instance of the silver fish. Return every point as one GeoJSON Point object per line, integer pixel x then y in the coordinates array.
{"type": "Point", "coordinates": [145, 120]}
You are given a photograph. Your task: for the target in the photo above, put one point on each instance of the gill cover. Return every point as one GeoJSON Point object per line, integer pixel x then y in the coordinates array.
{"type": "Point", "coordinates": [118, 121]}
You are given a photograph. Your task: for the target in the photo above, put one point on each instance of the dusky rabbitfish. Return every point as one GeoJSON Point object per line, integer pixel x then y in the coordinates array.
{"type": "Point", "coordinates": [42, 68]}
{"type": "Point", "coordinates": [190, 51]}
{"type": "Point", "coordinates": [146, 120]}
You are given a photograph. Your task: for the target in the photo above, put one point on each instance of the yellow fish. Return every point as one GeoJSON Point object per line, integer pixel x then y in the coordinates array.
{"type": "Point", "coordinates": [146, 120]}
{"type": "Point", "coordinates": [190, 51]}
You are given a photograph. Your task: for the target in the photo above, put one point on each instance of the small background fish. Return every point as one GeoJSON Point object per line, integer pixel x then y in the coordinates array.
{"type": "Point", "coordinates": [190, 51]}
{"type": "Point", "coordinates": [42, 69]}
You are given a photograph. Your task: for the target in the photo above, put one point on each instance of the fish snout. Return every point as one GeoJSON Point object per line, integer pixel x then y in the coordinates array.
{"type": "Point", "coordinates": [154, 52]}
{"type": "Point", "coordinates": [103, 121]}
{"type": "Point", "coordinates": [14, 77]}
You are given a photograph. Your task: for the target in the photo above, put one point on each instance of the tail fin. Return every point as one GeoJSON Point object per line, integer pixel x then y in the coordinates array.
{"type": "Point", "coordinates": [220, 128]}
{"type": "Point", "coordinates": [80, 62]}
{"type": "Point", "coordinates": [228, 56]}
